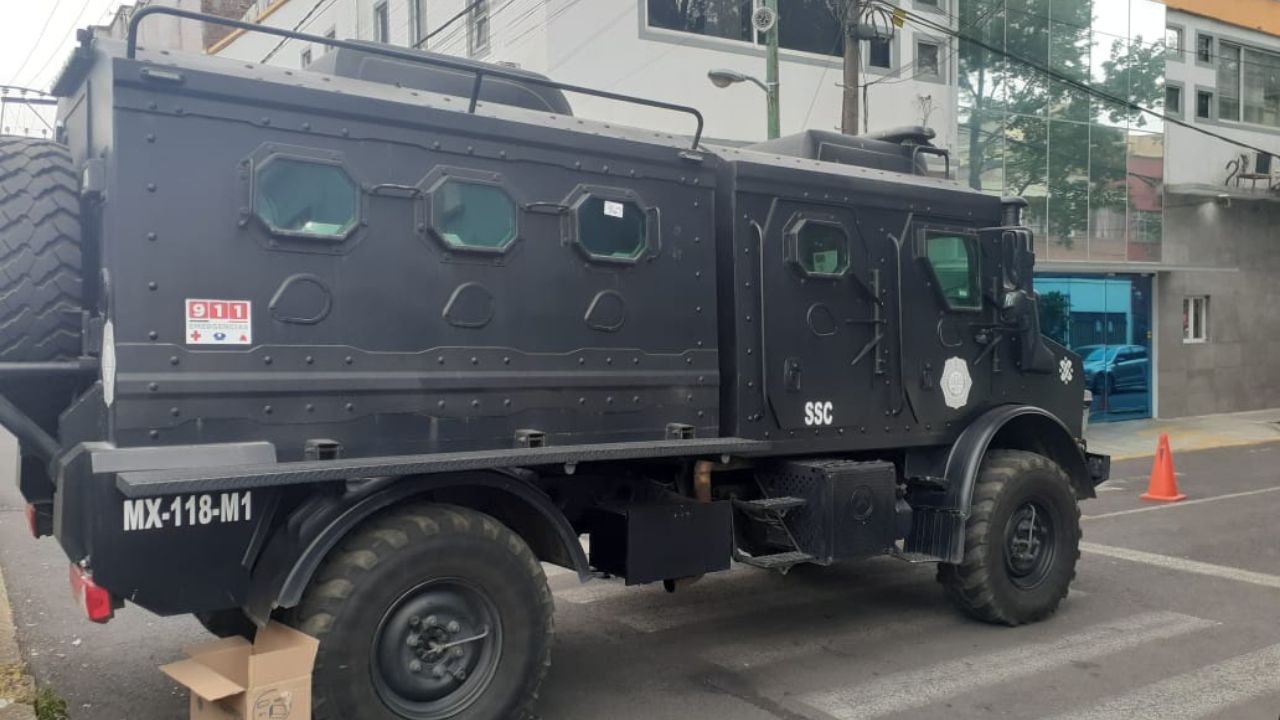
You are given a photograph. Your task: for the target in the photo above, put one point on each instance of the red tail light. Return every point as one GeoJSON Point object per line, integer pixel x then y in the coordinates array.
{"type": "Point", "coordinates": [96, 601]}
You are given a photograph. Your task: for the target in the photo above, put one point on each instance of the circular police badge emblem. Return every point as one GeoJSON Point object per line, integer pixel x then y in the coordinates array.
{"type": "Point", "coordinates": [956, 383]}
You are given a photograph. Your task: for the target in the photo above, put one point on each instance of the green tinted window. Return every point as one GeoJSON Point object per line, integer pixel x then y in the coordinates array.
{"type": "Point", "coordinates": [306, 198]}
{"type": "Point", "coordinates": [474, 215]}
{"type": "Point", "coordinates": [822, 249]}
{"type": "Point", "coordinates": [612, 229]}
{"type": "Point", "coordinates": [956, 268]}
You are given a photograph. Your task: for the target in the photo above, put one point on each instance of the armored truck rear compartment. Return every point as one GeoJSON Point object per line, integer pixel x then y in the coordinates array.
{"type": "Point", "coordinates": [396, 276]}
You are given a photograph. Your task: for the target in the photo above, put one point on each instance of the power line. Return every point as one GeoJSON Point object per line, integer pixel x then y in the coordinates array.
{"type": "Point", "coordinates": [306, 20]}
{"type": "Point", "coordinates": [57, 49]}
{"type": "Point", "coordinates": [1085, 87]}
{"type": "Point", "coordinates": [461, 14]}
{"type": "Point", "coordinates": [39, 37]}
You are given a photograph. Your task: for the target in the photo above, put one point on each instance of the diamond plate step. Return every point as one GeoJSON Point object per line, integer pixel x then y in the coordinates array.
{"type": "Point", "coordinates": [773, 504]}
{"type": "Point", "coordinates": [778, 561]}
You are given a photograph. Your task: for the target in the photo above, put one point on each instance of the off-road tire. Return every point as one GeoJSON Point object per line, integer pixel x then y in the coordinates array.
{"type": "Point", "coordinates": [386, 558]}
{"type": "Point", "coordinates": [981, 585]}
{"type": "Point", "coordinates": [40, 263]}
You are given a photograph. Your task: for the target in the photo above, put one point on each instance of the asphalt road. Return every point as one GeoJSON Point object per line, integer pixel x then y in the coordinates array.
{"type": "Point", "coordinates": [1173, 615]}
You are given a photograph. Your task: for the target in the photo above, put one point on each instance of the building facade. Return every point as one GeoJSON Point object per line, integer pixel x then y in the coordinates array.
{"type": "Point", "coordinates": [1154, 250]}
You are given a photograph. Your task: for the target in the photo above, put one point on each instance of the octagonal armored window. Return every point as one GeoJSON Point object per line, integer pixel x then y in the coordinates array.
{"type": "Point", "coordinates": [306, 198]}
{"type": "Point", "coordinates": [612, 229]}
{"type": "Point", "coordinates": [820, 248]}
{"type": "Point", "coordinates": [469, 215]}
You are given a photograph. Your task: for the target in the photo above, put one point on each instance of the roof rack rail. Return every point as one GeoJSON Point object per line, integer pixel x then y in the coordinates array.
{"type": "Point", "coordinates": [480, 72]}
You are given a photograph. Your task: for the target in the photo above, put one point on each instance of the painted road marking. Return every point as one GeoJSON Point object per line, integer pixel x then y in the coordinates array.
{"type": "Point", "coordinates": [1205, 691]}
{"type": "Point", "coordinates": [1183, 565]}
{"type": "Point", "coordinates": [917, 688]}
{"type": "Point", "coordinates": [757, 652]}
{"type": "Point", "coordinates": [1184, 503]}
{"type": "Point", "coordinates": [721, 606]}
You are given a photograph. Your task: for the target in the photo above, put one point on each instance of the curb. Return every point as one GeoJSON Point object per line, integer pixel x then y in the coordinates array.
{"type": "Point", "coordinates": [14, 679]}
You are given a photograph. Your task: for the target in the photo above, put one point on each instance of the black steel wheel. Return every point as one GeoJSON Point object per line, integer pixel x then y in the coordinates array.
{"type": "Point", "coordinates": [1022, 541]}
{"type": "Point", "coordinates": [437, 647]}
{"type": "Point", "coordinates": [428, 613]}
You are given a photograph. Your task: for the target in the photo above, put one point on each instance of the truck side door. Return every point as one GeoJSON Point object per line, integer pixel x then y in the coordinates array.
{"type": "Point", "coordinates": [829, 307]}
{"type": "Point", "coordinates": [948, 313]}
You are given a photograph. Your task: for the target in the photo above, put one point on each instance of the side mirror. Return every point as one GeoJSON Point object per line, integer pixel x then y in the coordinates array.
{"type": "Point", "coordinates": [1022, 308]}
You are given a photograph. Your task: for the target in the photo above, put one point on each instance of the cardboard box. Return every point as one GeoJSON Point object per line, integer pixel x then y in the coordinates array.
{"type": "Point", "coordinates": [233, 680]}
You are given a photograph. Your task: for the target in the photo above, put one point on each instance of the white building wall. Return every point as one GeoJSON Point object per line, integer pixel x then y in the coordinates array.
{"type": "Point", "coordinates": [607, 45]}
{"type": "Point", "coordinates": [1193, 157]}
{"type": "Point", "coordinates": [161, 31]}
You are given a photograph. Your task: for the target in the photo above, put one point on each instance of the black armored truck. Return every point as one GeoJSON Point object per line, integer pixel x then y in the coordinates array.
{"type": "Point", "coordinates": [358, 348]}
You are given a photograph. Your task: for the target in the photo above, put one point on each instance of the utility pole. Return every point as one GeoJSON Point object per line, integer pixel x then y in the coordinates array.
{"type": "Point", "coordinates": [771, 73]}
{"type": "Point", "coordinates": [852, 68]}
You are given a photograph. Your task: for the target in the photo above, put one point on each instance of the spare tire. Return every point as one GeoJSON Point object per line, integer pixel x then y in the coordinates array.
{"type": "Point", "coordinates": [40, 262]}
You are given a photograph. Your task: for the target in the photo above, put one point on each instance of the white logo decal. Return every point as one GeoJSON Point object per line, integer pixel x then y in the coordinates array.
{"type": "Point", "coordinates": [1066, 370]}
{"type": "Point", "coordinates": [818, 413]}
{"type": "Point", "coordinates": [956, 383]}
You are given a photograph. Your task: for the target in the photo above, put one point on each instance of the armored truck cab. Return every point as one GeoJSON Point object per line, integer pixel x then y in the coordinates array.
{"type": "Point", "coordinates": [356, 348]}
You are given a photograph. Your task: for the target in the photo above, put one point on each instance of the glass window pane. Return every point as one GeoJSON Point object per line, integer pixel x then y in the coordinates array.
{"type": "Point", "coordinates": [612, 229]}
{"type": "Point", "coordinates": [1173, 41]}
{"type": "Point", "coordinates": [983, 73]}
{"type": "Point", "coordinates": [729, 19]}
{"type": "Point", "coordinates": [1228, 81]}
{"type": "Point", "coordinates": [1173, 99]}
{"type": "Point", "coordinates": [980, 150]}
{"type": "Point", "coordinates": [956, 268]}
{"type": "Point", "coordinates": [1261, 88]}
{"type": "Point", "coordinates": [1027, 36]}
{"type": "Point", "coordinates": [1070, 51]}
{"type": "Point", "coordinates": [811, 26]}
{"type": "Point", "coordinates": [880, 53]}
{"type": "Point", "coordinates": [1068, 190]}
{"type": "Point", "coordinates": [1026, 170]}
{"type": "Point", "coordinates": [822, 249]}
{"type": "Point", "coordinates": [1204, 48]}
{"type": "Point", "coordinates": [1145, 173]}
{"type": "Point", "coordinates": [472, 215]}
{"type": "Point", "coordinates": [1109, 61]}
{"type": "Point", "coordinates": [381, 23]}
{"type": "Point", "coordinates": [927, 63]}
{"type": "Point", "coordinates": [1107, 194]}
{"type": "Point", "coordinates": [296, 196]}
{"type": "Point", "coordinates": [1204, 104]}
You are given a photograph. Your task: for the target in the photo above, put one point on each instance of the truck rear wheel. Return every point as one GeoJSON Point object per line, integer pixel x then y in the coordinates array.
{"type": "Point", "coordinates": [40, 280]}
{"type": "Point", "coordinates": [1022, 541]}
{"type": "Point", "coordinates": [429, 613]}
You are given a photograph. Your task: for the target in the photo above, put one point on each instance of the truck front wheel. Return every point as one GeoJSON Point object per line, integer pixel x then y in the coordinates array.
{"type": "Point", "coordinates": [1022, 541]}
{"type": "Point", "coordinates": [429, 612]}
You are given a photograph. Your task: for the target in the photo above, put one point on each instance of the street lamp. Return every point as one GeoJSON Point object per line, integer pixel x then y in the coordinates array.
{"type": "Point", "coordinates": [722, 78]}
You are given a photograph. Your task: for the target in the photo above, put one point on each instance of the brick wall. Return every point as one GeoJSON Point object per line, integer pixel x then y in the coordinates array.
{"type": "Point", "coordinates": [234, 9]}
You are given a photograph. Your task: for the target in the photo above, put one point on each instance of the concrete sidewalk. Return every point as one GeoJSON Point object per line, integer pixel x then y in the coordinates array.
{"type": "Point", "coordinates": [17, 691]}
{"type": "Point", "coordinates": [1138, 438]}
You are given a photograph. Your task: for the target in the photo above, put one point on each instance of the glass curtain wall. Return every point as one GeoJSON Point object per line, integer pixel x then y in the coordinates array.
{"type": "Point", "coordinates": [1107, 321]}
{"type": "Point", "coordinates": [1091, 168]}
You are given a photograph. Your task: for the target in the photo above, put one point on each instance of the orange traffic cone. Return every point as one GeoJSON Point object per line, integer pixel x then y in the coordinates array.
{"type": "Point", "coordinates": [1164, 484]}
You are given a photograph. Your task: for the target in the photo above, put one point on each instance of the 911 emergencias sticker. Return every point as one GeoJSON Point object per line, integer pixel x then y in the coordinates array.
{"type": "Point", "coordinates": [219, 322]}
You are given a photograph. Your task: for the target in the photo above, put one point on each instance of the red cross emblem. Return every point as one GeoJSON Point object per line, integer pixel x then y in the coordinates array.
{"type": "Point", "coordinates": [195, 336]}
